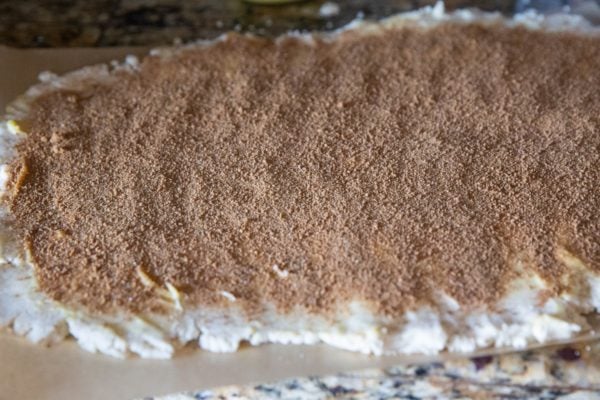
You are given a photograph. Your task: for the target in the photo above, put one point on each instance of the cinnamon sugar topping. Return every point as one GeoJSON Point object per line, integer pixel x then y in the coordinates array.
{"type": "Point", "coordinates": [384, 167]}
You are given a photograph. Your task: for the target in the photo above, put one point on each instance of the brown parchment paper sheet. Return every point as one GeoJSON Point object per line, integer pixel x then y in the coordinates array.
{"type": "Point", "coordinates": [66, 372]}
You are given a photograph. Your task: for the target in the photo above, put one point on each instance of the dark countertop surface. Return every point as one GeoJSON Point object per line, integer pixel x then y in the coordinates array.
{"type": "Point", "coordinates": [81, 23]}
{"type": "Point", "coordinates": [553, 373]}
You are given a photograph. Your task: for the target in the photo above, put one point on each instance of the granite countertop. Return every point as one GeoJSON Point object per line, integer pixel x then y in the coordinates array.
{"type": "Point", "coordinates": [563, 372]}
{"type": "Point", "coordinates": [63, 23]}
{"type": "Point", "coordinates": [557, 372]}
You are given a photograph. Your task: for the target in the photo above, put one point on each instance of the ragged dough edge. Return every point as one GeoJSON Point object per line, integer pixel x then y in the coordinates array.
{"type": "Point", "coordinates": [519, 320]}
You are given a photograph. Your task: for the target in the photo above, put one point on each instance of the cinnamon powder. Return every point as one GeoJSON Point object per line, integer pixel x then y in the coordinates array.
{"type": "Point", "coordinates": [385, 167]}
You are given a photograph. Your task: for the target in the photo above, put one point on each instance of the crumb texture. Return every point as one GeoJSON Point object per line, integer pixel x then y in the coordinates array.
{"type": "Point", "coordinates": [382, 167]}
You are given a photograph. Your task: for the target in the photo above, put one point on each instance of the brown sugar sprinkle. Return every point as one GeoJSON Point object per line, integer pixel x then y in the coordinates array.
{"type": "Point", "coordinates": [384, 168]}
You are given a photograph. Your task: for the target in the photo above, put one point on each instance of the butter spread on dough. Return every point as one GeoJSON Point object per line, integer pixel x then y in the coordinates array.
{"type": "Point", "coordinates": [410, 200]}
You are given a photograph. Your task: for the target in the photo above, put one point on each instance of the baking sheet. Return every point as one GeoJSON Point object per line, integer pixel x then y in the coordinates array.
{"type": "Point", "coordinates": [66, 372]}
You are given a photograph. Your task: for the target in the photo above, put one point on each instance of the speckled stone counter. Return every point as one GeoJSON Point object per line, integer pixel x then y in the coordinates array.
{"type": "Point", "coordinates": [53, 23]}
{"type": "Point", "coordinates": [559, 372]}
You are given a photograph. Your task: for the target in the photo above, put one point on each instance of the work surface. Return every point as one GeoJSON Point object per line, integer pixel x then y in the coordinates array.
{"type": "Point", "coordinates": [556, 372]}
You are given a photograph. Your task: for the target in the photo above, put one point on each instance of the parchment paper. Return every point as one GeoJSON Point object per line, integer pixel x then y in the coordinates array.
{"type": "Point", "coordinates": [66, 372]}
